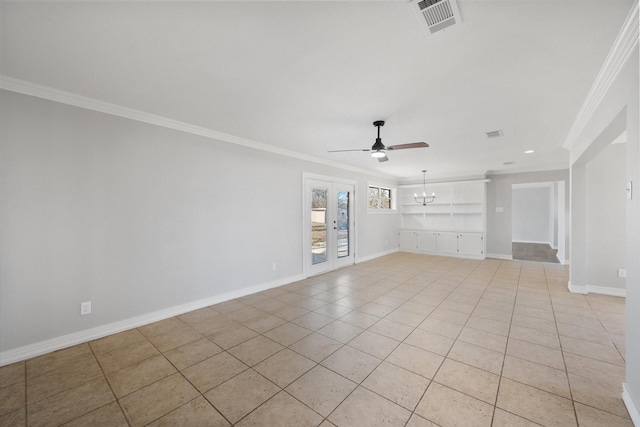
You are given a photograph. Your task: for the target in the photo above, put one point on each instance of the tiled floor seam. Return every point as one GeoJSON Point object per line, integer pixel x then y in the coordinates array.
{"type": "Point", "coordinates": [381, 361]}
{"type": "Point", "coordinates": [504, 356]}
{"type": "Point", "coordinates": [117, 400]}
{"type": "Point", "coordinates": [443, 360]}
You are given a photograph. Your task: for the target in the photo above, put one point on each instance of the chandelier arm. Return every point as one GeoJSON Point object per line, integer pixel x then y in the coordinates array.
{"type": "Point", "coordinates": [424, 199]}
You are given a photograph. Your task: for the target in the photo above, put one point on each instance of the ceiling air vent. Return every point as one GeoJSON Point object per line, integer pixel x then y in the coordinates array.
{"type": "Point", "coordinates": [494, 133]}
{"type": "Point", "coordinates": [436, 15]}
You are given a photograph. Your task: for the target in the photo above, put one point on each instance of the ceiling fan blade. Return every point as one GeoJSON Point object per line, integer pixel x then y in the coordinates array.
{"type": "Point", "coordinates": [383, 159]}
{"type": "Point", "coordinates": [405, 146]}
{"type": "Point", "coordinates": [356, 149]}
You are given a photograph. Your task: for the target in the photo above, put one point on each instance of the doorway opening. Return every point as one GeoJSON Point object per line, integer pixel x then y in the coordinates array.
{"type": "Point", "coordinates": [538, 221]}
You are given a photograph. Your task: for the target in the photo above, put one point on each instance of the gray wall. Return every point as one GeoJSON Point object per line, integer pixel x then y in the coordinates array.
{"type": "Point", "coordinates": [605, 224]}
{"type": "Point", "coordinates": [138, 218]}
{"type": "Point", "coordinates": [499, 234]}
{"type": "Point", "coordinates": [530, 215]}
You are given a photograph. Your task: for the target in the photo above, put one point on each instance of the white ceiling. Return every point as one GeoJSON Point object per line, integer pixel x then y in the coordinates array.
{"type": "Point", "coordinates": [312, 76]}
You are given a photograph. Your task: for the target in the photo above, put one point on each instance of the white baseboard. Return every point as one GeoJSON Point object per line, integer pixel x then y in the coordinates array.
{"type": "Point", "coordinates": [605, 290]}
{"type": "Point", "coordinates": [577, 289]}
{"type": "Point", "coordinates": [446, 254]}
{"type": "Point", "coordinates": [634, 413]}
{"type": "Point", "coordinates": [533, 241]}
{"type": "Point", "coordinates": [377, 255]}
{"type": "Point", "coordinates": [32, 350]}
{"type": "Point", "coordinates": [600, 290]}
{"type": "Point", "coordinates": [500, 256]}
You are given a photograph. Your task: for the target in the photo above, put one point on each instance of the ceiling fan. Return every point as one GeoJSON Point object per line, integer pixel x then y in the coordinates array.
{"type": "Point", "coordinates": [378, 149]}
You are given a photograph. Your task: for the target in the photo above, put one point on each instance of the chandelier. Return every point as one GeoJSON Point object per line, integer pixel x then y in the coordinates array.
{"type": "Point", "coordinates": [424, 199]}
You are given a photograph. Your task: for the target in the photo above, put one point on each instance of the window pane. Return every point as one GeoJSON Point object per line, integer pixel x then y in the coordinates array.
{"type": "Point", "coordinates": [385, 192]}
{"type": "Point", "coordinates": [374, 194]}
{"type": "Point", "coordinates": [318, 225]}
{"type": "Point", "coordinates": [385, 203]}
{"type": "Point", "coordinates": [343, 224]}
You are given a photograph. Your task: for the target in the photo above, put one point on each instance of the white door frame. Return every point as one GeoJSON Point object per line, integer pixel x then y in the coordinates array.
{"type": "Point", "coordinates": [332, 183]}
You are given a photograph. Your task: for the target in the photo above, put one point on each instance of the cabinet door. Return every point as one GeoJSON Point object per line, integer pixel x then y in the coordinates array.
{"type": "Point", "coordinates": [427, 241]}
{"type": "Point", "coordinates": [447, 243]}
{"type": "Point", "coordinates": [408, 240]}
{"type": "Point", "coordinates": [471, 244]}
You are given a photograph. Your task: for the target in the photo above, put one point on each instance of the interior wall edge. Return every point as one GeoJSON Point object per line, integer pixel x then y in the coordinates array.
{"type": "Point", "coordinates": [501, 256]}
{"type": "Point", "coordinates": [634, 412]}
{"type": "Point", "coordinates": [376, 255]}
{"type": "Point", "coordinates": [577, 289]}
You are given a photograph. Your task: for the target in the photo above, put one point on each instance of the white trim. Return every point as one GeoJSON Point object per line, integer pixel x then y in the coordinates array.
{"type": "Point", "coordinates": [566, 262]}
{"type": "Point", "coordinates": [621, 50]}
{"type": "Point", "coordinates": [57, 343]}
{"type": "Point", "coordinates": [514, 171]}
{"type": "Point", "coordinates": [444, 254]}
{"type": "Point", "coordinates": [577, 289]}
{"type": "Point", "coordinates": [634, 413]}
{"type": "Point", "coordinates": [377, 255]}
{"type": "Point", "coordinates": [500, 256]}
{"type": "Point", "coordinates": [533, 241]}
{"type": "Point", "coordinates": [68, 98]}
{"type": "Point", "coordinates": [606, 290]}
{"type": "Point", "coordinates": [600, 290]}
{"type": "Point", "coordinates": [527, 185]}
{"type": "Point", "coordinates": [430, 182]}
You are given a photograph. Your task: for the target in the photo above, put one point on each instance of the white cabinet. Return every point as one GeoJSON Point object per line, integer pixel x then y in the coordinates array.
{"type": "Point", "coordinates": [415, 240]}
{"type": "Point", "coordinates": [454, 224]}
{"type": "Point", "coordinates": [444, 243]}
{"type": "Point", "coordinates": [427, 241]}
{"type": "Point", "coordinates": [447, 243]}
{"type": "Point", "coordinates": [408, 240]}
{"type": "Point", "coordinates": [471, 244]}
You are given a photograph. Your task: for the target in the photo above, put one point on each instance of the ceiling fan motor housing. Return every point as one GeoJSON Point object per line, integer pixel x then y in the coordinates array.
{"type": "Point", "coordinates": [378, 145]}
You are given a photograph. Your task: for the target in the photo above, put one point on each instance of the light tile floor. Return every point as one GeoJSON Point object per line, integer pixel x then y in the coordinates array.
{"type": "Point", "coordinates": [404, 340]}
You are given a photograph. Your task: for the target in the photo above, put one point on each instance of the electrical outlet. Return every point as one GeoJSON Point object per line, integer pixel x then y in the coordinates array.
{"type": "Point", "coordinates": [622, 272]}
{"type": "Point", "coordinates": [274, 267]}
{"type": "Point", "coordinates": [85, 308]}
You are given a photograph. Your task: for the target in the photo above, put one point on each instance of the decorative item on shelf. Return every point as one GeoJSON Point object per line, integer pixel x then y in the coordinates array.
{"type": "Point", "coordinates": [424, 199]}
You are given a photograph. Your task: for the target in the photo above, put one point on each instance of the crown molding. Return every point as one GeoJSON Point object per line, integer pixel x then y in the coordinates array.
{"type": "Point", "coordinates": [39, 91]}
{"type": "Point", "coordinates": [620, 52]}
{"type": "Point", "coordinates": [549, 167]}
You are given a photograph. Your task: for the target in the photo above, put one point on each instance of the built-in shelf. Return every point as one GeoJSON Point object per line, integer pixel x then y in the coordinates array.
{"type": "Point", "coordinates": [454, 224]}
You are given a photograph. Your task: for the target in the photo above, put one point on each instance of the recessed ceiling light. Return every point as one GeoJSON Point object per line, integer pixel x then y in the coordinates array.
{"type": "Point", "coordinates": [528, 152]}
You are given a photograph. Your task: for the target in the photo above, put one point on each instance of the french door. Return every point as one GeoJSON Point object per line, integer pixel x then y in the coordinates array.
{"type": "Point", "coordinates": [329, 208]}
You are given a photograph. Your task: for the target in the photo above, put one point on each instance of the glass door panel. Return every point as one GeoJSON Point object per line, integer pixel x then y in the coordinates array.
{"type": "Point", "coordinates": [318, 225]}
{"type": "Point", "coordinates": [343, 224]}
{"type": "Point", "coordinates": [329, 225]}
